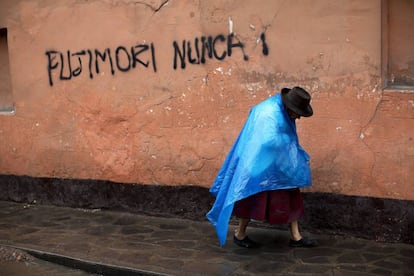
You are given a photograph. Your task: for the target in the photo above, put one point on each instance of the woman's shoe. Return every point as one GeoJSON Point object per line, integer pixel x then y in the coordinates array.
{"type": "Point", "coordinates": [304, 242]}
{"type": "Point", "coordinates": [246, 242]}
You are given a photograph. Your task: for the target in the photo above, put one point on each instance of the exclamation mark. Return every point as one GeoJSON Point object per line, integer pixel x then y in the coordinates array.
{"type": "Point", "coordinates": [265, 48]}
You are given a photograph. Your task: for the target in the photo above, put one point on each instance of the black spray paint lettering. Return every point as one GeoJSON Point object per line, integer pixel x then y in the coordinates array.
{"type": "Point", "coordinates": [68, 65]}
{"type": "Point", "coordinates": [123, 59]}
{"type": "Point", "coordinates": [102, 57]}
{"type": "Point", "coordinates": [205, 47]}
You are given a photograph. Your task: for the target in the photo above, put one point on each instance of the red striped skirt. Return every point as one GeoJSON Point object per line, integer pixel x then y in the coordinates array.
{"type": "Point", "coordinates": [274, 207]}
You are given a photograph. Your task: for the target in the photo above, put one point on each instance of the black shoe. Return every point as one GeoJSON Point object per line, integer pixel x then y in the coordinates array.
{"type": "Point", "coordinates": [246, 242]}
{"type": "Point", "coordinates": [304, 242]}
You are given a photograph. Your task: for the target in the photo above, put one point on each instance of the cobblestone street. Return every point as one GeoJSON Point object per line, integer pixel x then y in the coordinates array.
{"type": "Point", "coordinates": [102, 241]}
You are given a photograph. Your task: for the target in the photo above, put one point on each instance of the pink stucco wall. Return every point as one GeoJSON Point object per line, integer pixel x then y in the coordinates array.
{"type": "Point", "coordinates": [148, 122]}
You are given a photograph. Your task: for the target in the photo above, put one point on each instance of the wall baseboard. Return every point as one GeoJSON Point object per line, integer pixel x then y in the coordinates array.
{"type": "Point", "coordinates": [385, 220]}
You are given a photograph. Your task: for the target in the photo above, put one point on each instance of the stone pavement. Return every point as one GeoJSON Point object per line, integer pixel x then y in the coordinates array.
{"type": "Point", "coordinates": [116, 243]}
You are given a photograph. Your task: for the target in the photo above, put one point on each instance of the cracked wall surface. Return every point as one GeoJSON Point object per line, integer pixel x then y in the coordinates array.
{"type": "Point", "coordinates": [140, 120]}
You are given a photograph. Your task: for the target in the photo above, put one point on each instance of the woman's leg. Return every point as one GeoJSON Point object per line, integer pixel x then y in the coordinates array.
{"type": "Point", "coordinates": [294, 231]}
{"type": "Point", "coordinates": [296, 239]}
{"type": "Point", "coordinates": [241, 230]}
{"type": "Point", "coordinates": [240, 236]}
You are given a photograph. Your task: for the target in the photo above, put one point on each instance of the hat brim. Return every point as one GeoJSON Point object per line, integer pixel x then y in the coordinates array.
{"type": "Point", "coordinates": [303, 113]}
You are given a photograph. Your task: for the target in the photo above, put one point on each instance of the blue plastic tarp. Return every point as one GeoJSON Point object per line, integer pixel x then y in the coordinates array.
{"type": "Point", "coordinates": [265, 156]}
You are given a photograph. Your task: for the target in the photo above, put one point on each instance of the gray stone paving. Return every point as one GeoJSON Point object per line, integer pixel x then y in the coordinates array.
{"type": "Point", "coordinates": [184, 247]}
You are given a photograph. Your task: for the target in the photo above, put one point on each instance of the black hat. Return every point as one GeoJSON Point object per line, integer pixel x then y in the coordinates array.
{"type": "Point", "coordinates": [297, 100]}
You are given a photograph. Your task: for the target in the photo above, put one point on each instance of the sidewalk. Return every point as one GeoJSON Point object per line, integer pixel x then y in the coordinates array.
{"type": "Point", "coordinates": [138, 245]}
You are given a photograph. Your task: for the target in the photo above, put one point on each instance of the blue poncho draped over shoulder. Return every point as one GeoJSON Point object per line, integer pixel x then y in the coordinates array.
{"type": "Point", "coordinates": [266, 156]}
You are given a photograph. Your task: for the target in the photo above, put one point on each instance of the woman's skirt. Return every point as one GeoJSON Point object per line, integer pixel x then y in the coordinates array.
{"type": "Point", "coordinates": [274, 207]}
